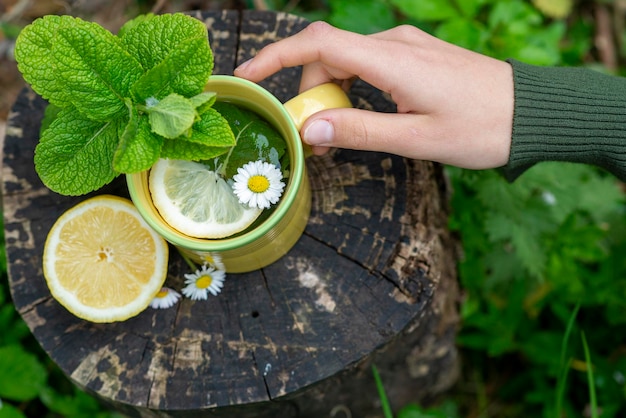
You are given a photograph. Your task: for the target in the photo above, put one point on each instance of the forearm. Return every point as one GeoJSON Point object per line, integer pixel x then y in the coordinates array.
{"type": "Point", "coordinates": [567, 114]}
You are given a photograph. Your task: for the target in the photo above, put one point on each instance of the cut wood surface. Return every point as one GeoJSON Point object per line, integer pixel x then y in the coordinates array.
{"type": "Point", "coordinates": [372, 280]}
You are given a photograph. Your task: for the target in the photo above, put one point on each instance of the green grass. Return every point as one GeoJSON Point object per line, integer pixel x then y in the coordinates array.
{"type": "Point", "coordinates": [565, 362]}
{"type": "Point", "coordinates": [593, 401]}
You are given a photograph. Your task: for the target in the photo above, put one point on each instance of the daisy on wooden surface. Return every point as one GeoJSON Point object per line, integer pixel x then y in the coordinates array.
{"type": "Point", "coordinates": [204, 281]}
{"type": "Point", "coordinates": [165, 298]}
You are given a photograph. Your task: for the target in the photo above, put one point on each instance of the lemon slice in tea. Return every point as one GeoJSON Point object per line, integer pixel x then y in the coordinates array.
{"type": "Point", "coordinates": [102, 262]}
{"type": "Point", "coordinates": [197, 201]}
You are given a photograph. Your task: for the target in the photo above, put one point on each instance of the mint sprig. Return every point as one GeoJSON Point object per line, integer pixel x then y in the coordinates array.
{"type": "Point", "coordinates": [125, 100]}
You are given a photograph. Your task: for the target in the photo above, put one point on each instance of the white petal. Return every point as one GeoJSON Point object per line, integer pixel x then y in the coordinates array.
{"type": "Point", "coordinates": [262, 201]}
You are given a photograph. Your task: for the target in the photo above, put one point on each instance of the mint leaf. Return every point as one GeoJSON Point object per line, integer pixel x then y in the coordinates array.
{"type": "Point", "coordinates": [203, 101]}
{"type": "Point", "coordinates": [133, 22]}
{"type": "Point", "coordinates": [49, 115]}
{"type": "Point", "coordinates": [210, 137]}
{"type": "Point", "coordinates": [72, 62]}
{"type": "Point", "coordinates": [118, 103]}
{"type": "Point", "coordinates": [91, 63]}
{"type": "Point", "coordinates": [183, 71]}
{"type": "Point", "coordinates": [256, 140]}
{"type": "Point", "coordinates": [181, 149]}
{"type": "Point", "coordinates": [74, 154]}
{"type": "Point", "coordinates": [212, 130]}
{"type": "Point", "coordinates": [32, 52]}
{"type": "Point", "coordinates": [172, 116]}
{"type": "Point", "coordinates": [138, 147]}
{"type": "Point", "coordinates": [173, 51]}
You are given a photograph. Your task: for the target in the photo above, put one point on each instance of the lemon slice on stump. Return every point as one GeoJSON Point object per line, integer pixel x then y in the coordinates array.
{"type": "Point", "coordinates": [197, 201]}
{"type": "Point", "coordinates": [102, 261]}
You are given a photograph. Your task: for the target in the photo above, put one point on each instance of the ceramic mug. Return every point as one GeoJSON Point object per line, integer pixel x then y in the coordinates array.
{"type": "Point", "coordinates": [273, 238]}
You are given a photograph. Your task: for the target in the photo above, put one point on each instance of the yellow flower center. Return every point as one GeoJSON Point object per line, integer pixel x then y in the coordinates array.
{"type": "Point", "coordinates": [204, 281]}
{"type": "Point", "coordinates": [258, 184]}
{"type": "Point", "coordinates": [161, 294]}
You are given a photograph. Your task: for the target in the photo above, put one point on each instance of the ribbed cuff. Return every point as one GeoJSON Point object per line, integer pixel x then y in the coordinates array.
{"type": "Point", "coordinates": [567, 114]}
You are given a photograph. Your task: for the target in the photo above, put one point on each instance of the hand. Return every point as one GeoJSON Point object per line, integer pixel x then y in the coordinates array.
{"type": "Point", "coordinates": [454, 106]}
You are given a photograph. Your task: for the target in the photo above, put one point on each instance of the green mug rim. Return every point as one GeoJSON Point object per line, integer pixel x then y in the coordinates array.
{"type": "Point", "coordinates": [297, 172]}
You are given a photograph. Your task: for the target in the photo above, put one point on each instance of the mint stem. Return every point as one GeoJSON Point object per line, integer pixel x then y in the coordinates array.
{"type": "Point", "coordinates": [222, 169]}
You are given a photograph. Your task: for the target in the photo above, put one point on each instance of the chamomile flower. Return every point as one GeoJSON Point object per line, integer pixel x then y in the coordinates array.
{"type": "Point", "coordinates": [203, 281]}
{"type": "Point", "coordinates": [212, 259]}
{"type": "Point", "coordinates": [165, 298]}
{"type": "Point", "coordinates": [258, 184]}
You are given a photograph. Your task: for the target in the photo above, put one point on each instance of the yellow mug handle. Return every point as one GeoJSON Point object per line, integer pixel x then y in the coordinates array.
{"type": "Point", "coordinates": [322, 97]}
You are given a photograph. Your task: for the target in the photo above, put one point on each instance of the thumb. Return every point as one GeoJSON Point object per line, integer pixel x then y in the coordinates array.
{"type": "Point", "coordinates": [361, 130]}
{"type": "Point", "coordinates": [418, 136]}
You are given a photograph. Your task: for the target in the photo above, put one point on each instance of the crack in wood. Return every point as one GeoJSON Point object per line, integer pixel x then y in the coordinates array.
{"type": "Point", "coordinates": [263, 375]}
{"type": "Point", "coordinates": [267, 288]}
{"type": "Point", "coordinates": [31, 309]}
{"type": "Point", "coordinates": [410, 297]}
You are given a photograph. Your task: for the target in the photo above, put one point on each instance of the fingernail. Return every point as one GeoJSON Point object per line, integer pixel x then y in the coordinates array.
{"type": "Point", "coordinates": [243, 65]}
{"type": "Point", "coordinates": [320, 132]}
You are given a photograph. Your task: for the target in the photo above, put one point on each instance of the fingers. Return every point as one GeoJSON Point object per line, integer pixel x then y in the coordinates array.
{"type": "Point", "coordinates": [307, 46]}
{"type": "Point", "coordinates": [327, 54]}
{"type": "Point", "coordinates": [365, 130]}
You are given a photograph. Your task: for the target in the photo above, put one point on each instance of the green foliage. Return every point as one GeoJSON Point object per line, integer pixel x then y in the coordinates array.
{"type": "Point", "coordinates": [496, 28]}
{"type": "Point", "coordinates": [123, 98]}
{"type": "Point", "coordinates": [533, 250]}
{"type": "Point", "coordinates": [361, 16]}
{"type": "Point", "coordinates": [426, 11]}
{"type": "Point", "coordinates": [21, 375]}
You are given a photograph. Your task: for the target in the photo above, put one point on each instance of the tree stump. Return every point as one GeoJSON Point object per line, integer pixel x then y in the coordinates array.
{"type": "Point", "coordinates": [371, 281]}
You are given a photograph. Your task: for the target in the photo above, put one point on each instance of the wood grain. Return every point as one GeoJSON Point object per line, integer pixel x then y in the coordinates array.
{"type": "Point", "coordinates": [372, 280]}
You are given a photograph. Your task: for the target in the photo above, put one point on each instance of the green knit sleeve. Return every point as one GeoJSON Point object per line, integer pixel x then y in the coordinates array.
{"type": "Point", "coordinates": [567, 114]}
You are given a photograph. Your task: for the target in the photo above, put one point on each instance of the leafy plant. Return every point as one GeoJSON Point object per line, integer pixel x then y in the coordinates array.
{"type": "Point", "coordinates": [125, 100]}
{"type": "Point", "coordinates": [21, 375]}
